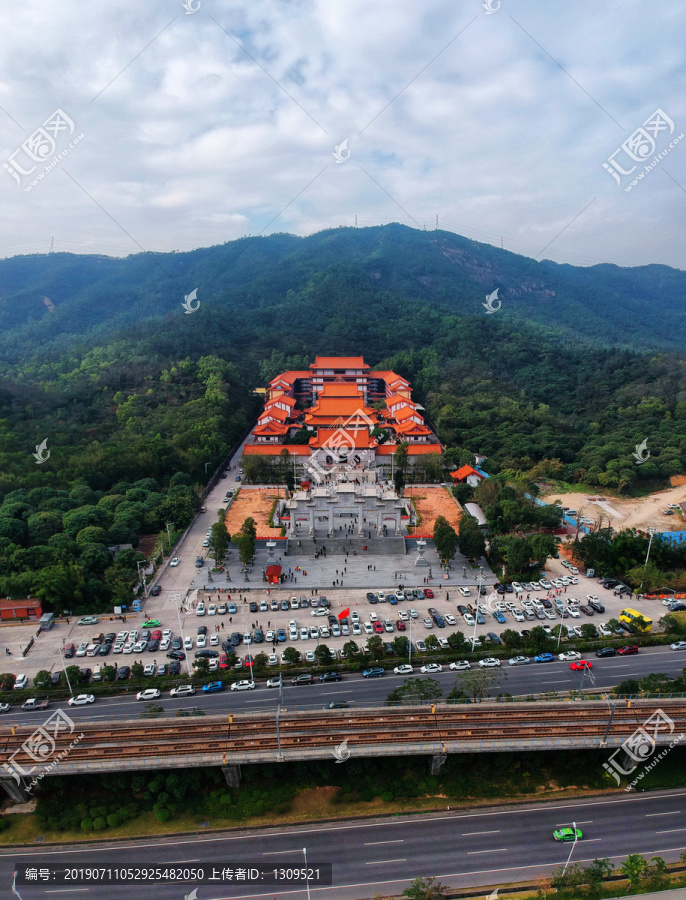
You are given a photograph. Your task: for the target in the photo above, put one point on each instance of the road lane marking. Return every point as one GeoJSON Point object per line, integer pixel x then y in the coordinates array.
{"type": "Point", "coordinates": [226, 838]}
{"type": "Point", "coordinates": [374, 843]}
{"type": "Point", "coordinates": [472, 833]}
{"type": "Point", "coordinates": [335, 693]}
{"type": "Point", "coordinates": [671, 831]}
{"type": "Point", "coordinates": [474, 852]}
{"type": "Point", "coordinates": [279, 852]}
{"type": "Point", "coordinates": [381, 862]}
{"type": "Point", "coordinates": [72, 890]}
{"type": "Point", "coordinates": [652, 815]}
{"type": "Point", "coordinates": [180, 861]}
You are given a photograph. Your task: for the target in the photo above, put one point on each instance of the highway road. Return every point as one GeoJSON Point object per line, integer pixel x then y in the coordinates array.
{"type": "Point", "coordinates": [515, 680]}
{"type": "Point", "coordinates": [462, 848]}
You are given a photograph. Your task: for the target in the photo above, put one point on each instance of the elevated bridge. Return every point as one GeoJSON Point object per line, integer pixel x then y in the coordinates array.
{"type": "Point", "coordinates": [63, 747]}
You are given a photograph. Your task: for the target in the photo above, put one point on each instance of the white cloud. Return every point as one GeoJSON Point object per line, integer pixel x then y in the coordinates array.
{"type": "Point", "coordinates": [488, 132]}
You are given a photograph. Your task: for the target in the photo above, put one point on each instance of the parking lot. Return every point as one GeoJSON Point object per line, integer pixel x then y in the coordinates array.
{"type": "Point", "coordinates": [267, 610]}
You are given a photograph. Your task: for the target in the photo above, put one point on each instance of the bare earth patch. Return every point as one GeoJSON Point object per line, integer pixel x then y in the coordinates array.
{"type": "Point", "coordinates": [432, 502]}
{"type": "Point", "coordinates": [633, 512]}
{"type": "Point", "coordinates": [256, 503]}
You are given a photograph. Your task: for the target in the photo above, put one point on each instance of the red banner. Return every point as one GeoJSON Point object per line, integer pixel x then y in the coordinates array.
{"type": "Point", "coordinates": [344, 614]}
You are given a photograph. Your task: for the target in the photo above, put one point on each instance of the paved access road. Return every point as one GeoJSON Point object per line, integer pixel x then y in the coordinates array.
{"type": "Point", "coordinates": [487, 846]}
{"type": "Point", "coordinates": [516, 680]}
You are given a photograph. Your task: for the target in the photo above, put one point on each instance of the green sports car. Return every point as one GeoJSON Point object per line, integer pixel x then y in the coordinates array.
{"type": "Point", "coordinates": [567, 834]}
{"type": "Point", "coordinates": [151, 623]}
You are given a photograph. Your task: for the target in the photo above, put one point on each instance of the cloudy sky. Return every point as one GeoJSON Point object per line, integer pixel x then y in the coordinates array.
{"type": "Point", "coordinates": [182, 129]}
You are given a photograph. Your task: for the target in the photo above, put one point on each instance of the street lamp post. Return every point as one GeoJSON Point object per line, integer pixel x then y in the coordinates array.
{"type": "Point", "coordinates": [573, 846]}
{"type": "Point", "coordinates": [651, 532]}
{"type": "Point", "coordinates": [183, 640]}
{"type": "Point", "coordinates": [168, 535]}
{"type": "Point", "coordinates": [64, 664]}
{"type": "Point", "coordinates": [307, 874]}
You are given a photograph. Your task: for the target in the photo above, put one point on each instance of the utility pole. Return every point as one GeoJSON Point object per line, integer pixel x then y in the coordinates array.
{"type": "Point", "coordinates": [168, 535]}
{"type": "Point", "coordinates": [436, 222]}
{"type": "Point", "coordinates": [651, 532]}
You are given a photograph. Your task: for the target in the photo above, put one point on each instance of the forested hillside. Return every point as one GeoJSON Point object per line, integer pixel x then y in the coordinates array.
{"type": "Point", "coordinates": [129, 390]}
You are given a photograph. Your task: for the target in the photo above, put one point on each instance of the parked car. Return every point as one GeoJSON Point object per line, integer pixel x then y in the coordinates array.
{"type": "Point", "coordinates": [374, 672]}
{"type": "Point", "coordinates": [489, 663]}
{"type": "Point", "coordinates": [149, 694]}
{"type": "Point", "coordinates": [628, 650]}
{"type": "Point", "coordinates": [544, 657]}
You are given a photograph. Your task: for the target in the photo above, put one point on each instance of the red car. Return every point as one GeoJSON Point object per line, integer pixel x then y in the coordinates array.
{"type": "Point", "coordinates": [400, 625]}
{"type": "Point", "coordinates": [628, 650]}
{"type": "Point", "coordinates": [156, 635]}
{"type": "Point", "coordinates": [222, 662]}
{"type": "Point", "coordinates": [378, 627]}
{"type": "Point", "coordinates": [428, 593]}
{"type": "Point", "coordinates": [581, 664]}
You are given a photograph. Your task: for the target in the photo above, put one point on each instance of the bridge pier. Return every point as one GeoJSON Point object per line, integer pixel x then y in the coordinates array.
{"type": "Point", "coordinates": [437, 761]}
{"type": "Point", "coordinates": [16, 791]}
{"type": "Point", "coordinates": [232, 775]}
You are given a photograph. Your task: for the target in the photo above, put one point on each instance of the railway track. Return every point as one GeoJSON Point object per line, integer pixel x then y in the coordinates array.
{"type": "Point", "coordinates": [229, 734]}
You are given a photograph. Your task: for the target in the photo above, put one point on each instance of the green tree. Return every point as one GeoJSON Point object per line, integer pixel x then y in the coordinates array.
{"type": "Point", "coordinates": [471, 539]}
{"type": "Point", "coordinates": [42, 679]}
{"type": "Point", "coordinates": [400, 645]}
{"type": "Point", "coordinates": [415, 691]}
{"type": "Point", "coordinates": [375, 645]}
{"type": "Point", "coordinates": [512, 639]}
{"type": "Point", "coordinates": [400, 456]}
{"type": "Point", "coordinates": [432, 643]}
{"type": "Point", "coordinates": [350, 648]}
{"type": "Point", "coordinates": [475, 683]}
{"type": "Point", "coordinates": [261, 660]}
{"type": "Point", "coordinates": [425, 889]}
{"type": "Point", "coordinates": [634, 868]}
{"type": "Point", "coordinates": [598, 872]}
{"type": "Point", "coordinates": [323, 655]}
{"type": "Point", "coordinates": [202, 665]}
{"type": "Point", "coordinates": [458, 641]}
{"type": "Point", "coordinates": [588, 631]}
{"type": "Point", "coordinates": [137, 671]}
{"type": "Point", "coordinates": [538, 640]}
{"type": "Point", "coordinates": [291, 655]}
{"type": "Point", "coordinates": [109, 673]}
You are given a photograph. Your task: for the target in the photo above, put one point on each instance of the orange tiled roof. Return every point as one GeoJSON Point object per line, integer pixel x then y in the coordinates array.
{"type": "Point", "coordinates": [284, 398]}
{"type": "Point", "coordinates": [290, 376]}
{"type": "Point", "coordinates": [270, 428]}
{"type": "Point", "coordinates": [390, 377]}
{"type": "Point", "coordinates": [360, 440]}
{"type": "Point", "coordinates": [276, 413]}
{"type": "Point", "coordinates": [275, 449]}
{"type": "Point", "coordinates": [396, 398]}
{"type": "Point", "coordinates": [339, 362]}
{"type": "Point", "coordinates": [404, 413]}
{"type": "Point", "coordinates": [410, 427]}
{"type": "Point", "coordinates": [412, 449]}
{"type": "Point", "coordinates": [464, 472]}
{"type": "Point", "coordinates": [337, 406]}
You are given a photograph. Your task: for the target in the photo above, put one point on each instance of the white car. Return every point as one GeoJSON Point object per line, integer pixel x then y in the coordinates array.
{"type": "Point", "coordinates": [357, 628]}
{"type": "Point", "coordinates": [373, 617]}
{"type": "Point", "coordinates": [574, 613]}
{"type": "Point", "coordinates": [404, 616]}
{"type": "Point", "coordinates": [320, 611]}
{"type": "Point", "coordinates": [81, 700]}
{"type": "Point", "coordinates": [149, 694]}
{"type": "Point", "coordinates": [414, 614]}
{"type": "Point", "coordinates": [117, 648]}
{"type": "Point", "coordinates": [133, 636]}
{"type": "Point", "coordinates": [355, 617]}
{"type": "Point", "coordinates": [460, 665]}
{"type": "Point", "coordinates": [464, 591]}
{"type": "Point", "coordinates": [304, 634]}
{"type": "Point", "coordinates": [21, 682]}
{"type": "Point", "coordinates": [518, 615]}
{"type": "Point", "coordinates": [140, 646]}
{"type": "Point", "coordinates": [121, 637]}
{"type": "Point", "coordinates": [475, 643]}
{"type": "Point", "coordinates": [165, 644]}
{"type": "Point", "coordinates": [517, 587]}
{"type": "Point", "coordinates": [188, 643]}
{"type": "Point", "coordinates": [489, 663]}
{"type": "Point", "coordinates": [428, 623]}
{"type": "Point", "coordinates": [519, 661]}
{"type": "Point", "coordinates": [314, 632]}
{"type": "Point", "coordinates": [381, 597]}
{"type": "Point", "coordinates": [212, 611]}
{"type": "Point", "coordinates": [443, 643]}
{"type": "Point", "coordinates": [149, 669]}
{"type": "Point", "coordinates": [183, 690]}
{"type": "Point", "coordinates": [295, 603]}
{"type": "Point", "coordinates": [545, 584]}
{"type": "Point", "coordinates": [201, 642]}
{"type": "Point", "coordinates": [167, 633]}
{"type": "Point", "coordinates": [549, 614]}
{"type": "Point", "coordinates": [272, 660]}
{"type": "Point", "coordinates": [570, 655]}
{"type": "Point", "coordinates": [388, 626]}
{"type": "Point", "coordinates": [309, 656]}
{"type": "Point", "coordinates": [405, 669]}
{"type": "Point", "coordinates": [604, 630]}
{"type": "Point", "coordinates": [212, 665]}
{"type": "Point", "coordinates": [128, 648]}
{"type": "Point", "coordinates": [247, 638]}
{"type": "Point", "coordinates": [200, 611]}
{"type": "Point", "coordinates": [468, 619]}
{"type": "Point", "coordinates": [270, 637]}
{"type": "Point", "coordinates": [323, 632]}
{"type": "Point", "coordinates": [174, 562]}
{"type": "Point", "coordinates": [678, 645]}
{"type": "Point", "coordinates": [431, 669]}
{"type": "Point", "coordinates": [557, 583]}
{"type": "Point", "coordinates": [566, 581]}
{"type": "Point", "coordinates": [243, 686]}
{"type": "Point", "coordinates": [503, 607]}
{"type": "Point", "coordinates": [449, 618]}
{"type": "Point", "coordinates": [275, 682]}
{"type": "Point", "coordinates": [82, 649]}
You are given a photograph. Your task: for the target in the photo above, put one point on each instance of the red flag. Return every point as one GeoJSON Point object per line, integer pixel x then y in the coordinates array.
{"type": "Point", "coordinates": [344, 614]}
